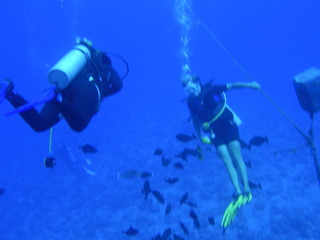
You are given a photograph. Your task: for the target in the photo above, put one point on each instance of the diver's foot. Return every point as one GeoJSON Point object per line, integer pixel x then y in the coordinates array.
{"type": "Point", "coordinates": [242, 199]}
{"type": "Point", "coordinates": [236, 195]}
{"type": "Point", "coordinates": [247, 197]}
{"type": "Point", "coordinates": [6, 86]}
{"type": "Point", "coordinates": [231, 211]}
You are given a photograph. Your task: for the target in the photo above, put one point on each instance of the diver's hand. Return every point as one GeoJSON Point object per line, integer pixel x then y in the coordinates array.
{"type": "Point", "coordinates": [205, 140]}
{"type": "Point", "coordinates": [254, 85]}
{"type": "Point", "coordinates": [80, 40]}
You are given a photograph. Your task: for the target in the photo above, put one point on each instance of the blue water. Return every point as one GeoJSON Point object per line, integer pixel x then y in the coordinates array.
{"type": "Point", "coordinates": [272, 40]}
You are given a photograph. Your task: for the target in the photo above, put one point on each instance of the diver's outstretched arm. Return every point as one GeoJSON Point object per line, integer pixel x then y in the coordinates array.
{"type": "Point", "coordinates": [238, 85]}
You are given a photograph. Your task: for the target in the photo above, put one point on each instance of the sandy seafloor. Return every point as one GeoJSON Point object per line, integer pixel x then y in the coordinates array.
{"type": "Point", "coordinates": [67, 203]}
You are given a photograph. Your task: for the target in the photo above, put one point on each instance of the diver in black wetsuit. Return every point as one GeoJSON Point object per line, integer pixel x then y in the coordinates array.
{"type": "Point", "coordinates": [215, 124]}
{"type": "Point", "coordinates": [79, 101]}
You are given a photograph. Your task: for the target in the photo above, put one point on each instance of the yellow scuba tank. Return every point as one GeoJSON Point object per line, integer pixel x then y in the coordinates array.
{"type": "Point", "coordinates": [67, 68]}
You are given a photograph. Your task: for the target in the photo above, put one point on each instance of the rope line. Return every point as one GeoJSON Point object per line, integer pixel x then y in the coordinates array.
{"type": "Point", "coordinates": [222, 47]}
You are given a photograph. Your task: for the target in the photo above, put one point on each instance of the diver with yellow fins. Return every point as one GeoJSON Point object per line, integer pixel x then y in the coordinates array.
{"type": "Point", "coordinates": [215, 123]}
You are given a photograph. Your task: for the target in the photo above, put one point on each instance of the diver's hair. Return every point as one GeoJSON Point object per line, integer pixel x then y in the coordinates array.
{"type": "Point", "coordinates": [187, 78]}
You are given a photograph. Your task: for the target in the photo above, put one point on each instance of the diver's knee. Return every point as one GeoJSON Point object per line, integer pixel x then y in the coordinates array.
{"type": "Point", "coordinates": [39, 128]}
{"type": "Point", "coordinates": [78, 127]}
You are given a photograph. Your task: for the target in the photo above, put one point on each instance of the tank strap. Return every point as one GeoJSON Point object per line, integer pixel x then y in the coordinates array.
{"type": "Point", "coordinates": [221, 111]}
{"type": "Point", "coordinates": [94, 81]}
{"type": "Point", "coordinates": [99, 97]}
{"type": "Point", "coordinates": [206, 125]}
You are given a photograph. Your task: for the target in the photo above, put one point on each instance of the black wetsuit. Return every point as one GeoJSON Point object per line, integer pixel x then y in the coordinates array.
{"type": "Point", "coordinates": [206, 106]}
{"type": "Point", "coordinates": [80, 99]}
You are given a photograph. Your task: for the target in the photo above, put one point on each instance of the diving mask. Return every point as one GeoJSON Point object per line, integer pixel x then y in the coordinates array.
{"type": "Point", "coordinates": [192, 88]}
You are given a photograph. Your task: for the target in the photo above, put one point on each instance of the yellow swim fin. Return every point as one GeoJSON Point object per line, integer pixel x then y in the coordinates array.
{"type": "Point", "coordinates": [232, 209]}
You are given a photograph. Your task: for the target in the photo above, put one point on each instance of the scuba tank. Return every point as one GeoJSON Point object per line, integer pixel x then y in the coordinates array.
{"type": "Point", "coordinates": [64, 71]}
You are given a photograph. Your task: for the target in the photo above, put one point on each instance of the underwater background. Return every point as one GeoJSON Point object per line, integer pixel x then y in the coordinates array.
{"type": "Point", "coordinates": [98, 195]}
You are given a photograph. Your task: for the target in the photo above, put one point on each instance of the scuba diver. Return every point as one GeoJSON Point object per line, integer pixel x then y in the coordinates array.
{"type": "Point", "coordinates": [215, 123]}
{"type": "Point", "coordinates": [81, 80]}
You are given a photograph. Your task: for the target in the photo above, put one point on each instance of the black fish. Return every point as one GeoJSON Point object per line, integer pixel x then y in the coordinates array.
{"type": "Point", "coordinates": [158, 152]}
{"type": "Point", "coordinates": [257, 141]}
{"type": "Point", "coordinates": [182, 156]}
{"type": "Point", "coordinates": [253, 185]}
{"type": "Point", "coordinates": [168, 209]}
{"type": "Point", "coordinates": [166, 234]}
{"type": "Point", "coordinates": [184, 198]}
{"type": "Point", "coordinates": [211, 221]}
{"type": "Point", "coordinates": [192, 204]}
{"type": "Point", "coordinates": [195, 219]}
{"type": "Point", "coordinates": [243, 144]}
{"type": "Point", "coordinates": [165, 161]}
{"type": "Point", "coordinates": [177, 237]}
{"type": "Point", "coordinates": [178, 165]}
{"type": "Point", "coordinates": [184, 228]}
{"type": "Point", "coordinates": [196, 223]}
{"type": "Point", "coordinates": [190, 152]}
{"type": "Point", "coordinates": [158, 196]}
{"type": "Point", "coordinates": [87, 148]}
{"type": "Point", "coordinates": [171, 180]}
{"type": "Point", "coordinates": [146, 190]}
{"type": "Point", "coordinates": [2, 190]}
{"type": "Point", "coordinates": [146, 174]}
{"type": "Point", "coordinates": [131, 231]}
{"type": "Point", "coordinates": [193, 215]}
{"type": "Point", "coordinates": [185, 138]}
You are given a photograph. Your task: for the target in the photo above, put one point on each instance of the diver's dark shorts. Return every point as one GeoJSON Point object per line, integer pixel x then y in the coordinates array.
{"type": "Point", "coordinates": [225, 129]}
